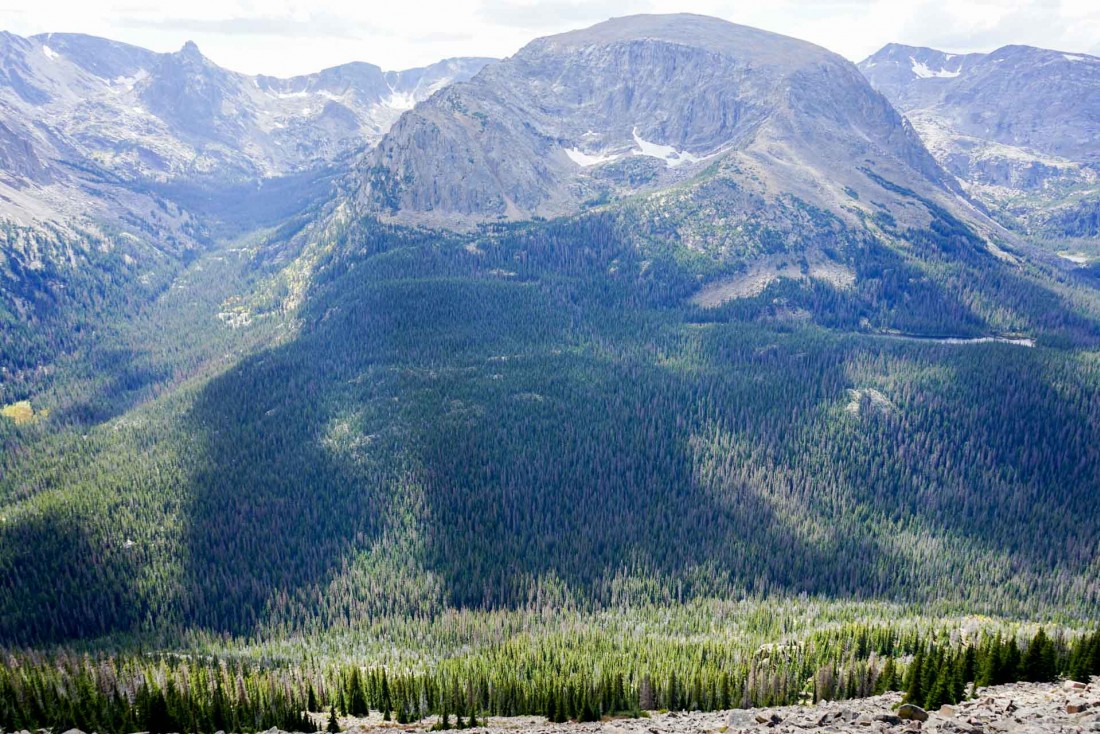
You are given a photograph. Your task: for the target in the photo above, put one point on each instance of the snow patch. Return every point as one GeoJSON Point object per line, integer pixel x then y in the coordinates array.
{"type": "Point", "coordinates": [400, 101]}
{"type": "Point", "coordinates": [923, 72]}
{"type": "Point", "coordinates": [128, 82]}
{"type": "Point", "coordinates": [586, 159]}
{"type": "Point", "coordinates": [1071, 57]}
{"type": "Point", "coordinates": [50, 53]}
{"type": "Point", "coordinates": [667, 153]}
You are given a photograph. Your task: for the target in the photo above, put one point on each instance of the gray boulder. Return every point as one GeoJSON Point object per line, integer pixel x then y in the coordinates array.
{"type": "Point", "coordinates": [911, 712]}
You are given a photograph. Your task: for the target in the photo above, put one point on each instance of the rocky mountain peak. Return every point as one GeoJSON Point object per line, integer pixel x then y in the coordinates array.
{"type": "Point", "coordinates": [188, 91]}
{"type": "Point", "coordinates": [632, 105]}
{"type": "Point", "coordinates": [191, 53]}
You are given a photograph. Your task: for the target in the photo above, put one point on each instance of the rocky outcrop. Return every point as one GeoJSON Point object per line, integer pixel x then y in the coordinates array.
{"type": "Point", "coordinates": [910, 712]}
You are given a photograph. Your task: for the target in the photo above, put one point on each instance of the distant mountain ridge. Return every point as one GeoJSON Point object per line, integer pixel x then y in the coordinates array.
{"type": "Point", "coordinates": [1019, 126]}
{"type": "Point", "coordinates": [163, 116]}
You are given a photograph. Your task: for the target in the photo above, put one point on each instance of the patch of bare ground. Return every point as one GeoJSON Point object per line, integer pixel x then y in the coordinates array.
{"type": "Point", "coordinates": [768, 270]}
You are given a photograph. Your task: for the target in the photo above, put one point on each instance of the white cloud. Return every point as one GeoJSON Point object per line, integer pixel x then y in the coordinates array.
{"type": "Point", "coordinates": [290, 36]}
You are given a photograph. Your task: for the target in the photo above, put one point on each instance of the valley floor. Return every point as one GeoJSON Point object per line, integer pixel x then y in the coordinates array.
{"type": "Point", "coordinates": [1017, 708]}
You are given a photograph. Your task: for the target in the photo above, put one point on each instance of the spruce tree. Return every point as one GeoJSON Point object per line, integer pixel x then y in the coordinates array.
{"type": "Point", "coordinates": [311, 699]}
{"type": "Point", "coordinates": [333, 724]}
{"type": "Point", "coordinates": [560, 714]}
{"type": "Point", "coordinates": [914, 691]}
{"type": "Point", "coordinates": [887, 680]}
{"type": "Point", "coordinates": [357, 699]}
{"type": "Point", "coordinates": [387, 704]}
{"type": "Point", "coordinates": [1039, 662]}
{"type": "Point", "coordinates": [1010, 663]}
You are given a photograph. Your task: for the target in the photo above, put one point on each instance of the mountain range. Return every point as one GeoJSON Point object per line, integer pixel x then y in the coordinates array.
{"type": "Point", "coordinates": [666, 311]}
{"type": "Point", "coordinates": [82, 111]}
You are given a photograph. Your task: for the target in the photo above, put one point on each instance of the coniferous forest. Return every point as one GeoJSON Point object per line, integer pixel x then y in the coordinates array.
{"type": "Point", "coordinates": [517, 472]}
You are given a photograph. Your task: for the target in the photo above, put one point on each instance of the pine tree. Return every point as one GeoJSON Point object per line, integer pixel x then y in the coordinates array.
{"type": "Point", "coordinates": [560, 714]}
{"type": "Point", "coordinates": [387, 704]}
{"type": "Point", "coordinates": [588, 713]}
{"type": "Point", "coordinates": [887, 679]}
{"type": "Point", "coordinates": [940, 691]}
{"type": "Point", "coordinates": [672, 698]}
{"type": "Point", "coordinates": [1039, 662]}
{"type": "Point", "coordinates": [333, 724]}
{"type": "Point", "coordinates": [914, 691]}
{"type": "Point", "coordinates": [724, 695]}
{"type": "Point", "coordinates": [311, 699]}
{"type": "Point", "coordinates": [357, 699]}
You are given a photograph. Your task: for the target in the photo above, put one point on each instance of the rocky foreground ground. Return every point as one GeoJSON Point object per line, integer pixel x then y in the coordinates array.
{"type": "Point", "coordinates": [1020, 708]}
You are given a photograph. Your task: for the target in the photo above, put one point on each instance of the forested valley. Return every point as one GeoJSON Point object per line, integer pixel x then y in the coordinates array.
{"type": "Point", "coordinates": [474, 466]}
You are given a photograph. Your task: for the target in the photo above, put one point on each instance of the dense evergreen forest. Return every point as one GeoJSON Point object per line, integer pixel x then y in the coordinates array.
{"type": "Point", "coordinates": [346, 437]}
{"type": "Point", "coordinates": [58, 286]}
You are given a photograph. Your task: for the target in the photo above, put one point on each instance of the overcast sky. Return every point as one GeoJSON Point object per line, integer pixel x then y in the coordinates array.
{"type": "Point", "coordinates": [285, 37]}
